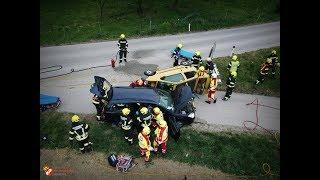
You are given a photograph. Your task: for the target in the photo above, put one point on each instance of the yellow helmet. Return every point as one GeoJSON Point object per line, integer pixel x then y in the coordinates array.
{"type": "Point", "coordinates": [234, 73]}
{"type": "Point", "coordinates": [162, 123]}
{"type": "Point", "coordinates": [234, 57]}
{"type": "Point", "coordinates": [269, 60]}
{"type": "Point", "coordinates": [144, 110]}
{"type": "Point", "coordinates": [125, 111]}
{"type": "Point", "coordinates": [201, 68]}
{"type": "Point", "coordinates": [146, 130]}
{"type": "Point", "coordinates": [156, 110]}
{"type": "Point", "coordinates": [75, 118]}
{"type": "Point", "coordinates": [274, 52]}
{"type": "Point", "coordinates": [209, 59]}
{"type": "Point", "coordinates": [179, 45]}
{"type": "Point", "coordinates": [122, 36]}
{"type": "Point", "coordinates": [197, 53]}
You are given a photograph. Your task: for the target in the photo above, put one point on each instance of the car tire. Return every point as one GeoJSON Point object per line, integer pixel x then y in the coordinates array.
{"type": "Point", "coordinates": [185, 63]}
{"type": "Point", "coordinates": [149, 73]}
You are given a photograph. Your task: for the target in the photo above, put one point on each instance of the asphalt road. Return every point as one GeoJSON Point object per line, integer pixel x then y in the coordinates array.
{"type": "Point", "coordinates": [146, 53]}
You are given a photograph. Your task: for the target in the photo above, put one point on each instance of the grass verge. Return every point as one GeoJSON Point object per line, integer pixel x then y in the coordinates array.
{"type": "Point", "coordinates": [73, 21]}
{"type": "Point", "coordinates": [248, 73]}
{"type": "Point", "coordinates": [239, 154]}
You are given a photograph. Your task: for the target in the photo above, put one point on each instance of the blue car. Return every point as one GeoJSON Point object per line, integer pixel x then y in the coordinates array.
{"type": "Point", "coordinates": [177, 107]}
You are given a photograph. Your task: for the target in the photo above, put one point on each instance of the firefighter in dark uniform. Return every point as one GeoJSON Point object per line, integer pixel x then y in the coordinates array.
{"type": "Point", "coordinates": [79, 131]}
{"type": "Point", "coordinates": [144, 118]}
{"type": "Point", "coordinates": [176, 54]}
{"type": "Point", "coordinates": [231, 81]}
{"type": "Point", "coordinates": [123, 45]}
{"type": "Point", "coordinates": [126, 124]}
{"type": "Point", "coordinates": [196, 58]}
{"type": "Point", "coordinates": [265, 67]}
{"type": "Point", "coordinates": [97, 102]}
{"type": "Point", "coordinates": [275, 62]}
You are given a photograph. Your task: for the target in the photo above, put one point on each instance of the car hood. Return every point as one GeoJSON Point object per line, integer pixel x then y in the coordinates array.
{"type": "Point", "coordinates": [122, 94]}
{"type": "Point", "coordinates": [181, 96]}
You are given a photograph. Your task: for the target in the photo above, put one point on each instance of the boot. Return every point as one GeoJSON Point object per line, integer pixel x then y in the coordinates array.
{"type": "Point", "coordinates": [207, 101]}
{"type": "Point", "coordinates": [215, 100]}
{"type": "Point", "coordinates": [225, 98]}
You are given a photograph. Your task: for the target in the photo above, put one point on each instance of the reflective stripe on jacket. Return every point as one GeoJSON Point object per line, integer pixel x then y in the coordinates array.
{"type": "Point", "coordinates": [144, 142]}
{"type": "Point", "coordinates": [162, 134]}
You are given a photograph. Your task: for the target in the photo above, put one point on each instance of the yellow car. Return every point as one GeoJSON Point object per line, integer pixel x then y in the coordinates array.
{"type": "Point", "coordinates": [170, 78]}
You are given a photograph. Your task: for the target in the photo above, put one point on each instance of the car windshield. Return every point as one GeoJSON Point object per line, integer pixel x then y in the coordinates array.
{"type": "Point", "coordinates": [165, 99]}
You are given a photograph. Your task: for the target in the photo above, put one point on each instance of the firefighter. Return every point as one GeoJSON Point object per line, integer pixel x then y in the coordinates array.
{"type": "Point", "coordinates": [196, 58]}
{"type": "Point", "coordinates": [144, 143]}
{"type": "Point", "coordinates": [212, 68]}
{"type": "Point", "coordinates": [123, 45]}
{"type": "Point", "coordinates": [157, 116]}
{"type": "Point", "coordinates": [161, 137]}
{"type": "Point", "coordinates": [231, 81]}
{"type": "Point", "coordinates": [176, 54]}
{"type": "Point", "coordinates": [234, 64]}
{"type": "Point", "coordinates": [79, 131]}
{"type": "Point", "coordinates": [203, 63]}
{"type": "Point", "coordinates": [138, 83]}
{"type": "Point", "coordinates": [126, 125]}
{"type": "Point", "coordinates": [212, 89]}
{"type": "Point", "coordinates": [201, 82]}
{"type": "Point", "coordinates": [275, 62]}
{"type": "Point", "coordinates": [97, 102]}
{"type": "Point", "coordinates": [265, 67]}
{"type": "Point", "coordinates": [144, 118]}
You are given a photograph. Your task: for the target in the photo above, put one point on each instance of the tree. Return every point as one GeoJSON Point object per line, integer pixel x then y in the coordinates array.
{"type": "Point", "coordinates": [101, 4]}
{"type": "Point", "coordinates": [139, 8]}
{"type": "Point", "coordinates": [175, 4]}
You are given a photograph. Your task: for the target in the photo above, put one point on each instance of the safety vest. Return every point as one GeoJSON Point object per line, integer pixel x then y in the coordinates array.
{"type": "Point", "coordinates": [234, 66]}
{"type": "Point", "coordinates": [80, 132]}
{"type": "Point", "coordinates": [144, 142]}
{"type": "Point", "coordinates": [162, 134]}
{"type": "Point", "coordinates": [126, 122]}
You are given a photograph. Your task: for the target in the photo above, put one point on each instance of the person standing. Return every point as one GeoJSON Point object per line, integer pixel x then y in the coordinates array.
{"type": "Point", "coordinates": [231, 81]}
{"type": "Point", "coordinates": [79, 131]}
{"type": "Point", "coordinates": [123, 45]}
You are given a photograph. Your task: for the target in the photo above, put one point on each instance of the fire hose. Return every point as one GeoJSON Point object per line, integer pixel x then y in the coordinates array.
{"type": "Point", "coordinates": [59, 67]}
{"type": "Point", "coordinates": [256, 123]}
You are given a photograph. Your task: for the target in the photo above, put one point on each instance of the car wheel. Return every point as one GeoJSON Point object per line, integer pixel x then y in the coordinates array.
{"type": "Point", "coordinates": [185, 63]}
{"type": "Point", "coordinates": [149, 73]}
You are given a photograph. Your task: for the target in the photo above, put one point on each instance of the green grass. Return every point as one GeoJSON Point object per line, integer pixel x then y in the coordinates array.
{"type": "Point", "coordinates": [248, 73]}
{"type": "Point", "coordinates": [73, 21]}
{"type": "Point", "coordinates": [238, 154]}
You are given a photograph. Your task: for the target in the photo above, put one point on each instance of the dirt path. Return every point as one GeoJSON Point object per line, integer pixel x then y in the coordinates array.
{"type": "Point", "coordinates": [95, 166]}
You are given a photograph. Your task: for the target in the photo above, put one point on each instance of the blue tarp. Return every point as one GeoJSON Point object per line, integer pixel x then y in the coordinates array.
{"type": "Point", "coordinates": [46, 100]}
{"type": "Point", "coordinates": [185, 53]}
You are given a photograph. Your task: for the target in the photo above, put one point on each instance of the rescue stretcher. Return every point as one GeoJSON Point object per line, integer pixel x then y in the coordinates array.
{"type": "Point", "coordinates": [49, 102]}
